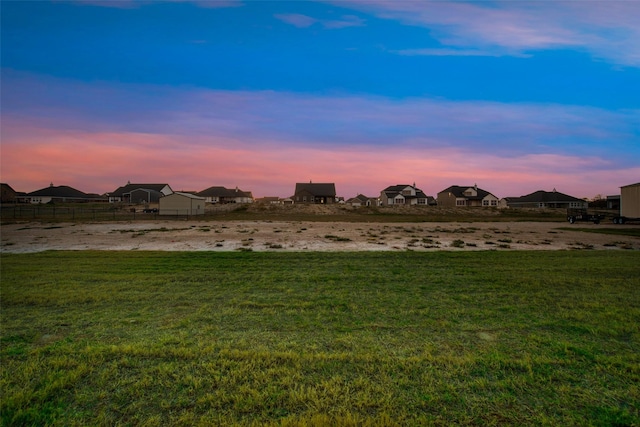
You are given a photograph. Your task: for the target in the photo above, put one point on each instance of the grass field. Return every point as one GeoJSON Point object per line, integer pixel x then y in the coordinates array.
{"type": "Point", "coordinates": [201, 338]}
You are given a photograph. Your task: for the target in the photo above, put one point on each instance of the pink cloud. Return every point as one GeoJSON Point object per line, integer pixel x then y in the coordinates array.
{"type": "Point", "coordinates": [100, 162]}
{"type": "Point", "coordinates": [266, 141]}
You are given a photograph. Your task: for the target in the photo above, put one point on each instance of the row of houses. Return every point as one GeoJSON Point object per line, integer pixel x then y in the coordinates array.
{"type": "Point", "coordinates": [305, 193]}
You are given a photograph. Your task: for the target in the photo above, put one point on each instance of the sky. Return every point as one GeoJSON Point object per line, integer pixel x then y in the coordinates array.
{"type": "Point", "coordinates": [514, 96]}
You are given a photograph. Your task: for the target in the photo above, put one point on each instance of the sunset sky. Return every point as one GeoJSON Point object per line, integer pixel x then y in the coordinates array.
{"type": "Point", "coordinates": [513, 96]}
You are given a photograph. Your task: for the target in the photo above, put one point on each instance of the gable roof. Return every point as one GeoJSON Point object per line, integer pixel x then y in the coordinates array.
{"type": "Point", "coordinates": [394, 190]}
{"type": "Point", "coordinates": [319, 189]}
{"type": "Point", "coordinates": [360, 198]}
{"type": "Point", "coordinates": [397, 188]}
{"type": "Point", "coordinates": [6, 186]}
{"type": "Point", "coordinates": [187, 195]}
{"type": "Point", "coordinates": [542, 196]}
{"type": "Point", "coordinates": [130, 187]}
{"type": "Point", "coordinates": [458, 191]}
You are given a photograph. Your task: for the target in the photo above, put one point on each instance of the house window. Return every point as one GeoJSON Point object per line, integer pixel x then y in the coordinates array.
{"type": "Point", "coordinates": [485, 203]}
{"type": "Point", "coordinates": [460, 202]}
{"type": "Point", "coordinates": [422, 202]}
{"type": "Point", "coordinates": [494, 203]}
{"type": "Point", "coordinates": [304, 198]}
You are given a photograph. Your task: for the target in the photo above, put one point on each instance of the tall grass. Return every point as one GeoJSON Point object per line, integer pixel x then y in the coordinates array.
{"type": "Point", "coordinates": [166, 338]}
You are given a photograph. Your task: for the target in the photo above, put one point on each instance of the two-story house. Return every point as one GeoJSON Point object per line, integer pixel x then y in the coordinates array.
{"type": "Point", "coordinates": [458, 196]}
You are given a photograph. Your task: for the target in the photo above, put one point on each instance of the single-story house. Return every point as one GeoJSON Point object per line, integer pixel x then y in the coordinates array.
{"type": "Point", "coordinates": [459, 196]}
{"type": "Point", "coordinates": [60, 194]}
{"type": "Point", "coordinates": [270, 200]}
{"type": "Point", "coordinates": [547, 199]}
{"type": "Point", "coordinates": [139, 193]}
{"type": "Point", "coordinates": [178, 203]}
{"type": "Point", "coordinates": [315, 193]}
{"type": "Point", "coordinates": [404, 194]}
{"type": "Point", "coordinates": [362, 200]}
{"type": "Point", "coordinates": [225, 195]}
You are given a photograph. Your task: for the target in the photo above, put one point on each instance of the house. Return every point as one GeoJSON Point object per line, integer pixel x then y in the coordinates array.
{"type": "Point", "coordinates": [60, 194]}
{"type": "Point", "coordinates": [140, 193]}
{"type": "Point", "coordinates": [225, 195]}
{"type": "Point", "coordinates": [466, 196]}
{"type": "Point", "coordinates": [630, 200]}
{"type": "Point", "coordinates": [546, 199]}
{"type": "Point", "coordinates": [181, 204]}
{"type": "Point", "coordinates": [8, 194]}
{"type": "Point", "coordinates": [404, 194]}
{"type": "Point", "coordinates": [315, 193]}
{"type": "Point", "coordinates": [270, 200]}
{"type": "Point", "coordinates": [362, 200]}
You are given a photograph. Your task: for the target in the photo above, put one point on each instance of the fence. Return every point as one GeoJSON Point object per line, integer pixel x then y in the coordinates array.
{"type": "Point", "coordinates": [61, 213]}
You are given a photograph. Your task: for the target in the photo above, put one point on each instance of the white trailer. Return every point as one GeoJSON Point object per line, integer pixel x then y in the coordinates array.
{"type": "Point", "coordinates": [629, 204]}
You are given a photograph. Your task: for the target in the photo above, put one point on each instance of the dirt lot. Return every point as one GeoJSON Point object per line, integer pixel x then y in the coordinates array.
{"type": "Point", "coordinates": [265, 235]}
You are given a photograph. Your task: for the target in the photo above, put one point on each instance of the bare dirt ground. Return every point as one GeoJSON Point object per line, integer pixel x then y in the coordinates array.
{"type": "Point", "coordinates": [175, 235]}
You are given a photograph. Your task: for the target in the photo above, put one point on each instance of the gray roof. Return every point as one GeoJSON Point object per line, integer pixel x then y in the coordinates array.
{"type": "Point", "coordinates": [361, 198]}
{"type": "Point", "coordinates": [187, 195]}
{"type": "Point", "coordinates": [223, 192]}
{"type": "Point", "coordinates": [545, 197]}
{"type": "Point", "coordinates": [130, 187]}
{"type": "Point", "coordinates": [319, 189]}
{"type": "Point", "coordinates": [394, 190]}
{"type": "Point", "coordinates": [60, 191]}
{"type": "Point", "coordinates": [458, 191]}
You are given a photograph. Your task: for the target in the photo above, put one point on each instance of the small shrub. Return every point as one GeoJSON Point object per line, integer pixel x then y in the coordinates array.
{"type": "Point", "coordinates": [457, 243]}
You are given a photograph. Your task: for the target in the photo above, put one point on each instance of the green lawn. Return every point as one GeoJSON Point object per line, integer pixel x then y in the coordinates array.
{"type": "Point", "coordinates": [441, 338]}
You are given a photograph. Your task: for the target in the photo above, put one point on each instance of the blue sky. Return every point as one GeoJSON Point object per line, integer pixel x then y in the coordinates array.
{"type": "Point", "coordinates": [514, 96]}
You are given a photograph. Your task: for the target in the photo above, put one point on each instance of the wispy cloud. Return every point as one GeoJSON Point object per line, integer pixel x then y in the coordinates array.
{"type": "Point", "coordinates": [453, 52]}
{"type": "Point", "coordinates": [296, 19]}
{"type": "Point", "coordinates": [102, 161]}
{"type": "Point", "coordinates": [304, 21]}
{"type": "Point", "coordinates": [265, 141]}
{"type": "Point", "coordinates": [607, 30]}
{"type": "Point", "coordinates": [131, 4]}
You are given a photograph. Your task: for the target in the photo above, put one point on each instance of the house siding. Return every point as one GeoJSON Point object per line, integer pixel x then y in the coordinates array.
{"type": "Point", "coordinates": [447, 199]}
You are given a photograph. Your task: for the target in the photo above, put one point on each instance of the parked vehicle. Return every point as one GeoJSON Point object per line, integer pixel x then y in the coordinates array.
{"type": "Point", "coordinates": [574, 215]}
